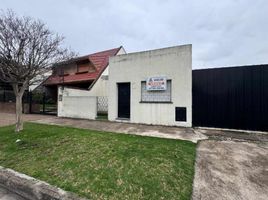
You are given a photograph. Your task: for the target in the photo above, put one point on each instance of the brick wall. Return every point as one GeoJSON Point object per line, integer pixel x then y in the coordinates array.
{"type": "Point", "coordinates": [10, 107]}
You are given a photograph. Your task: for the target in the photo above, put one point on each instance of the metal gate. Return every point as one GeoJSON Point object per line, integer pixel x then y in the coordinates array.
{"type": "Point", "coordinates": [234, 97]}
{"type": "Point", "coordinates": [42, 103]}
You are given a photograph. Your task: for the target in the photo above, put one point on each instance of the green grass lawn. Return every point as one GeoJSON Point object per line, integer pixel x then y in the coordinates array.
{"type": "Point", "coordinates": [102, 117]}
{"type": "Point", "coordinates": [101, 165]}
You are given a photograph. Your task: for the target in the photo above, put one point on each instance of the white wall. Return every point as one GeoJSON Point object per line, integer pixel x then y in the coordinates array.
{"type": "Point", "coordinates": [76, 104]}
{"type": "Point", "coordinates": [175, 63]}
{"type": "Point", "coordinates": [101, 85]}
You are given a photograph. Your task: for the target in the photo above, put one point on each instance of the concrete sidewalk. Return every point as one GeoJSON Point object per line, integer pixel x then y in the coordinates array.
{"type": "Point", "coordinates": [129, 128]}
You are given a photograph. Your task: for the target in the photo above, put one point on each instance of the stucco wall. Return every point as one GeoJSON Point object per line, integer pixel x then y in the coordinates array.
{"type": "Point", "coordinates": [175, 63]}
{"type": "Point", "coordinates": [100, 87]}
{"type": "Point", "coordinates": [76, 104]}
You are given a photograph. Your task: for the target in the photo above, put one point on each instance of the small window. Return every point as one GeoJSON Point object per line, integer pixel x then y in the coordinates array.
{"type": "Point", "coordinates": [83, 68]}
{"type": "Point", "coordinates": [60, 97]}
{"type": "Point", "coordinates": [105, 77]}
{"type": "Point", "coordinates": [155, 96]}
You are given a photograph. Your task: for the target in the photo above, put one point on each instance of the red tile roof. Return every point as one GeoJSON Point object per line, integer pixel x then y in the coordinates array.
{"type": "Point", "coordinates": [99, 60]}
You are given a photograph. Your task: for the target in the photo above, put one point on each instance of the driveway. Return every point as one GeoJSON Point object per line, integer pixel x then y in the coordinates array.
{"type": "Point", "coordinates": [229, 170]}
{"type": "Point", "coordinates": [9, 119]}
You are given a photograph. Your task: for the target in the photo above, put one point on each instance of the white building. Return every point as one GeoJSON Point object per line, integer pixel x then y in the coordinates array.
{"type": "Point", "coordinates": [152, 87]}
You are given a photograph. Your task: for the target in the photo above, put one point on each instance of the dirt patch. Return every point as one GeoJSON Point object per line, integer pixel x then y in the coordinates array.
{"type": "Point", "coordinates": [231, 170]}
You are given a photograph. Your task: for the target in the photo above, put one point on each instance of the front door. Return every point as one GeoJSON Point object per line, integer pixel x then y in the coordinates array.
{"type": "Point", "coordinates": [123, 100]}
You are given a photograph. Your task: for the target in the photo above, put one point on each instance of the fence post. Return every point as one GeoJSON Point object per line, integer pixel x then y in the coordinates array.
{"type": "Point", "coordinates": [4, 95]}
{"type": "Point", "coordinates": [44, 102]}
{"type": "Point", "coordinates": [30, 101]}
{"type": "Point", "coordinates": [96, 107]}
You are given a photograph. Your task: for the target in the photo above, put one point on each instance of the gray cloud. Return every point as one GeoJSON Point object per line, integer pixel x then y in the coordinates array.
{"type": "Point", "coordinates": [223, 33]}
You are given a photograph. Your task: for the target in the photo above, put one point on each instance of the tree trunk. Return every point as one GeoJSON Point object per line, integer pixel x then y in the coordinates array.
{"type": "Point", "coordinates": [19, 123]}
{"type": "Point", "coordinates": [19, 91]}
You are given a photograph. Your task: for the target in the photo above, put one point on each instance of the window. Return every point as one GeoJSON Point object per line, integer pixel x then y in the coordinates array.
{"type": "Point", "coordinates": [85, 66]}
{"type": "Point", "coordinates": [105, 77]}
{"type": "Point", "coordinates": [82, 68]}
{"type": "Point", "coordinates": [155, 96]}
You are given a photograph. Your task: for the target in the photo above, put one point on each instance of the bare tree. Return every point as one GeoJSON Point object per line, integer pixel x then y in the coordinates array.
{"type": "Point", "coordinates": [28, 49]}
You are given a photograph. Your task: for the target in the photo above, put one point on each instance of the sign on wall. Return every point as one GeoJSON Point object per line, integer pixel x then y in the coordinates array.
{"type": "Point", "coordinates": [156, 83]}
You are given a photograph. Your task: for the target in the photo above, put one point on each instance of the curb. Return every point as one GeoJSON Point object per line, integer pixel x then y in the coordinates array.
{"type": "Point", "coordinates": [231, 130]}
{"type": "Point", "coordinates": [31, 188]}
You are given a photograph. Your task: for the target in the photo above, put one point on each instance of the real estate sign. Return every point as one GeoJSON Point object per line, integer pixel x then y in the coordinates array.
{"type": "Point", "coordinates": [156, 83]}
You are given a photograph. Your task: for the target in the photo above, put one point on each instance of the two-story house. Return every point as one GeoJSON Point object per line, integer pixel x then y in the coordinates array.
{"type": "Point", "coordinates": [88, 73]}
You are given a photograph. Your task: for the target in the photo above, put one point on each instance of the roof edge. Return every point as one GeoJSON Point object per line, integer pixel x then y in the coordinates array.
{"type": "Point", "coordinates": [91, 86]}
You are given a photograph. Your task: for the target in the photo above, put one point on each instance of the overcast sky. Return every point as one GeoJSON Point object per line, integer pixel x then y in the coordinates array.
{"type": "Point", "coordinates": [223, 33]}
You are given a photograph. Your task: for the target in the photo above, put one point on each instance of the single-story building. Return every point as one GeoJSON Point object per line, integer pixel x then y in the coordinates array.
{"type": "Point", "coordinates": [152, 87]}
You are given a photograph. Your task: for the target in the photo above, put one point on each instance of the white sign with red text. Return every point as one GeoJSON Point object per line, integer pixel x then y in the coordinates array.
{"type": "Point", "coordinates": [156, 83]}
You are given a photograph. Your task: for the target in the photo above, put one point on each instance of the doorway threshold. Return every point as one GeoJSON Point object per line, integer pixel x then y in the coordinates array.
{"type": "Point", "coordinates": [122, 119]}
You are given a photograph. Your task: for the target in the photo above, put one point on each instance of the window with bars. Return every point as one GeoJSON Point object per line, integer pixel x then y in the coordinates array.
{"type": "Point", "coordinates": [148, 96]}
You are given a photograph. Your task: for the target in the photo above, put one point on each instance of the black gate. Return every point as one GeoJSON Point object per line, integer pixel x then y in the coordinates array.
{"type": "Point", "coordinates": [124, 100]}
{"type": "Point", "coordinates": [42, 103]}
{"type": "Point", "coordinates": [234, 97]}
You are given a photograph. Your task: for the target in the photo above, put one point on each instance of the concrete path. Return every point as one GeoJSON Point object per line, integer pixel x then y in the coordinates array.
{"type": "Point", "coordinates": [6, 195]}
{"type": "Point", "coordinates": [129, 128]}
{"type": "Point", "coordinates": [9, 118]}
{"type": "Point", "coordinates": [228, 170]}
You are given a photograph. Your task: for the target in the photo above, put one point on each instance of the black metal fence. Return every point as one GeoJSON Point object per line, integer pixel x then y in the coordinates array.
{"type": "Point", "coordinates": [39, 101]}
{"type": "Point", "coordinates": [42, 103]}
{"type": "Point", "coordinates": [234, 97]}
{"type": "Point", "coordinates": [7, 95]}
